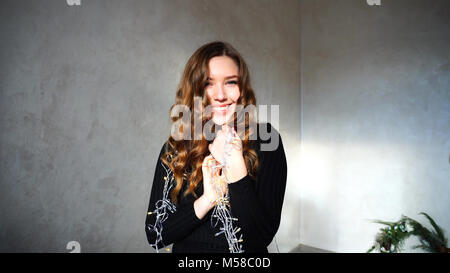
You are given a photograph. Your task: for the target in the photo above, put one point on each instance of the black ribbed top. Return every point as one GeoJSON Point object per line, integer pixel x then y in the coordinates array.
{"type": "Point", "coordinates": [256, 203]}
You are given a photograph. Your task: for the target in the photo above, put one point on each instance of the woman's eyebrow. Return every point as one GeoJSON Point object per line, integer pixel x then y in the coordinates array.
{"type": "Point", "coordinates": [226, 78]}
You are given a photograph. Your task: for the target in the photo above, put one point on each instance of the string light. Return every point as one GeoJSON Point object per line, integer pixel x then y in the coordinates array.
{"type": "Point", "coordinates": [221, 212]}
{"type": "Point", "coordinates": [163, 206]}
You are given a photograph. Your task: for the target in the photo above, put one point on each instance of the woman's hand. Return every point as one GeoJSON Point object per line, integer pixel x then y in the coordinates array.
{"type": "Point", "coordinates": [208, 188]}
{"type": "Point", "coordinates": [235, 169]}
{"type": "Point", "coordinates": [210, 191]}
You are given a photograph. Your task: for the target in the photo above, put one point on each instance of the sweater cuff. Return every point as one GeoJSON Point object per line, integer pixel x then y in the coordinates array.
{"type": "Point", "coordinates": [191, 216]}
{"type": "Point", "coordinates": [241, 186]}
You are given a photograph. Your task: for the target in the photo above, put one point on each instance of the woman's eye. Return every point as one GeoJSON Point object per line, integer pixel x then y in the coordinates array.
{"type": "Point", "coordinates": [232, 82]}
{"type": "Point", "coordinates": [207, 84]}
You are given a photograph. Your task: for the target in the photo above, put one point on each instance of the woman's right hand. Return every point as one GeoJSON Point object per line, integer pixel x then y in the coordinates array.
{"type": "Point", "coordinates": [210, 195]}
{"type": "Point", "coordinates": [208, 188]}
{"type": "Point", "coordinates": [207, 201]}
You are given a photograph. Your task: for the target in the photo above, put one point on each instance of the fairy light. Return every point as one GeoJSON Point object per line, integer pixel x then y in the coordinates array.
{"type": "Point", "coordinates": [221, 212]}
{"type": "Point", "coordinates": [163, 206]}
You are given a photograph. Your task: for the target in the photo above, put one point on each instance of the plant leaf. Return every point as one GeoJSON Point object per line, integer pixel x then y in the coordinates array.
{"type": "Point", "coordinates": [438, 229]}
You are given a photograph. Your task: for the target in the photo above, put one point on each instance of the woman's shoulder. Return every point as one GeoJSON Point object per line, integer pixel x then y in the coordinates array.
{"type": "Point", "coordinates": [265, 129]}
{"type": "Point", "coordinates": [165, 150]}
{"type": "Point", "coordinates": [268, 137]}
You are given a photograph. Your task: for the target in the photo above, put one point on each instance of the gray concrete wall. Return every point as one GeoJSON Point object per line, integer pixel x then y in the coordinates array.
{"type": "Point", "coordinates": [375, 118]}
{"type": "Point", "coordinates": [85, 93]}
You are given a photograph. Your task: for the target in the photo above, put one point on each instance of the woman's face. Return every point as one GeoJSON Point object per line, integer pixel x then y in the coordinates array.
{"type": "Point", "coordinates": [222, 88]}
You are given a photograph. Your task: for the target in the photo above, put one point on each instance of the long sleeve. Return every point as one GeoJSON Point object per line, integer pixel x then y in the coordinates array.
{"type": "Point", "coordinates": [258, 204]}
{"type": "Point", "coordinates": [179, 223]}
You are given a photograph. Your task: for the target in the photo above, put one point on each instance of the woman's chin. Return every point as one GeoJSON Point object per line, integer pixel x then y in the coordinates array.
{"type": "Point", "coordinates": [220, 119]}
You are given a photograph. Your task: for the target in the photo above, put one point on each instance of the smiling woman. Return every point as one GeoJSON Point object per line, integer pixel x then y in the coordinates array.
{"type": "Point", "coordinates": [223, 195]}
{"type": "Point", "coordinates": [222, 88]}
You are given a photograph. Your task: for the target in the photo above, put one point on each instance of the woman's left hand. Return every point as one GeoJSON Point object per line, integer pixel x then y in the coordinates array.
{"type": "Point", "coordinates": [235, 169]}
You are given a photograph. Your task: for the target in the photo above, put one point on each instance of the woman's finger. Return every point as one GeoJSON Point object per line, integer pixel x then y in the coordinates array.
{"type": "Point", "coordinates": [206, 161]}
{"type": "Point", "coordinates": [224, 128]}
{"type": "Point", "coordinates": [210, 148]}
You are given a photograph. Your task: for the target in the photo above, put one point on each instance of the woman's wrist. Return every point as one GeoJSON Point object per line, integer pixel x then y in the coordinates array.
{"type": "Point", "coordinates": [236, 169]}
{"type": "Point", "coordinates": [202, 205]}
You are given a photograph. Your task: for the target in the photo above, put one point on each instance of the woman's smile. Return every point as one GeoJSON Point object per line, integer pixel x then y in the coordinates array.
{"type": "Point", "coordinates": [222, 108]}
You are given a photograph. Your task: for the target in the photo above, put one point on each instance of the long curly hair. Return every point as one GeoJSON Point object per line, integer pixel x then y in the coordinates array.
{"type": "Point", "coordinates": [185, 156]}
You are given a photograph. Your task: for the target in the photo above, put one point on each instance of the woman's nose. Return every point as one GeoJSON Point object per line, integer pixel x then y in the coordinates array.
{"type": "Point", "coordinates": [220, 93]}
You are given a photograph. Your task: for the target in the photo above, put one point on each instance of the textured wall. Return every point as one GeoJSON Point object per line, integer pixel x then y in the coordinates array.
{"type": "Point", "coordinates": [375, 118]}
{"type": "Point", "coordinates": [85, 93]}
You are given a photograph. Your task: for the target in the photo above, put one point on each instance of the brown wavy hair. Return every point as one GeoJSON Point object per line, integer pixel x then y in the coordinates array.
{"type": "Point", "coordinates": [185, 157]}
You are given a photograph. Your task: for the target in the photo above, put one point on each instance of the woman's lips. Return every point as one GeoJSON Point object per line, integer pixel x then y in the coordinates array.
{"type": "Point", "coordinates": [221, 109]}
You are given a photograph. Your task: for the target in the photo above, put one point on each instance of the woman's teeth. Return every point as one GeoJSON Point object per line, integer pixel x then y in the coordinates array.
{"type": "Point", "coordinates": [223, 108]}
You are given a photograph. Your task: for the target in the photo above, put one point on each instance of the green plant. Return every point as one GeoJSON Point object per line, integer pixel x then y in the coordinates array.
{"type": "Point", "coordinates": [391, 238]}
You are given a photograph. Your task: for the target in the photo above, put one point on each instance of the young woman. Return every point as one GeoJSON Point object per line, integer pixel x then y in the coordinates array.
{"type": "Point", "coordinates": [187, 208]}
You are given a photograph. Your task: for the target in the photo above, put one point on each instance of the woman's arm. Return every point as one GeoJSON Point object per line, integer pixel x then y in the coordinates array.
{"type": "Point", "coordinates": [179, 223]}
{"type": "Point", "coordinates": [258, 204]}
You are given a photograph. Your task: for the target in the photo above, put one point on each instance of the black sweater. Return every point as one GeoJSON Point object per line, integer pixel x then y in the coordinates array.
{"type": "Point", "coordinates": [256, 204]}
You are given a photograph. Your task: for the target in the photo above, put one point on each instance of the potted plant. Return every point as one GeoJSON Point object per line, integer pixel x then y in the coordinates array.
{"type": "Point", "coordinates": [391, 238]}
